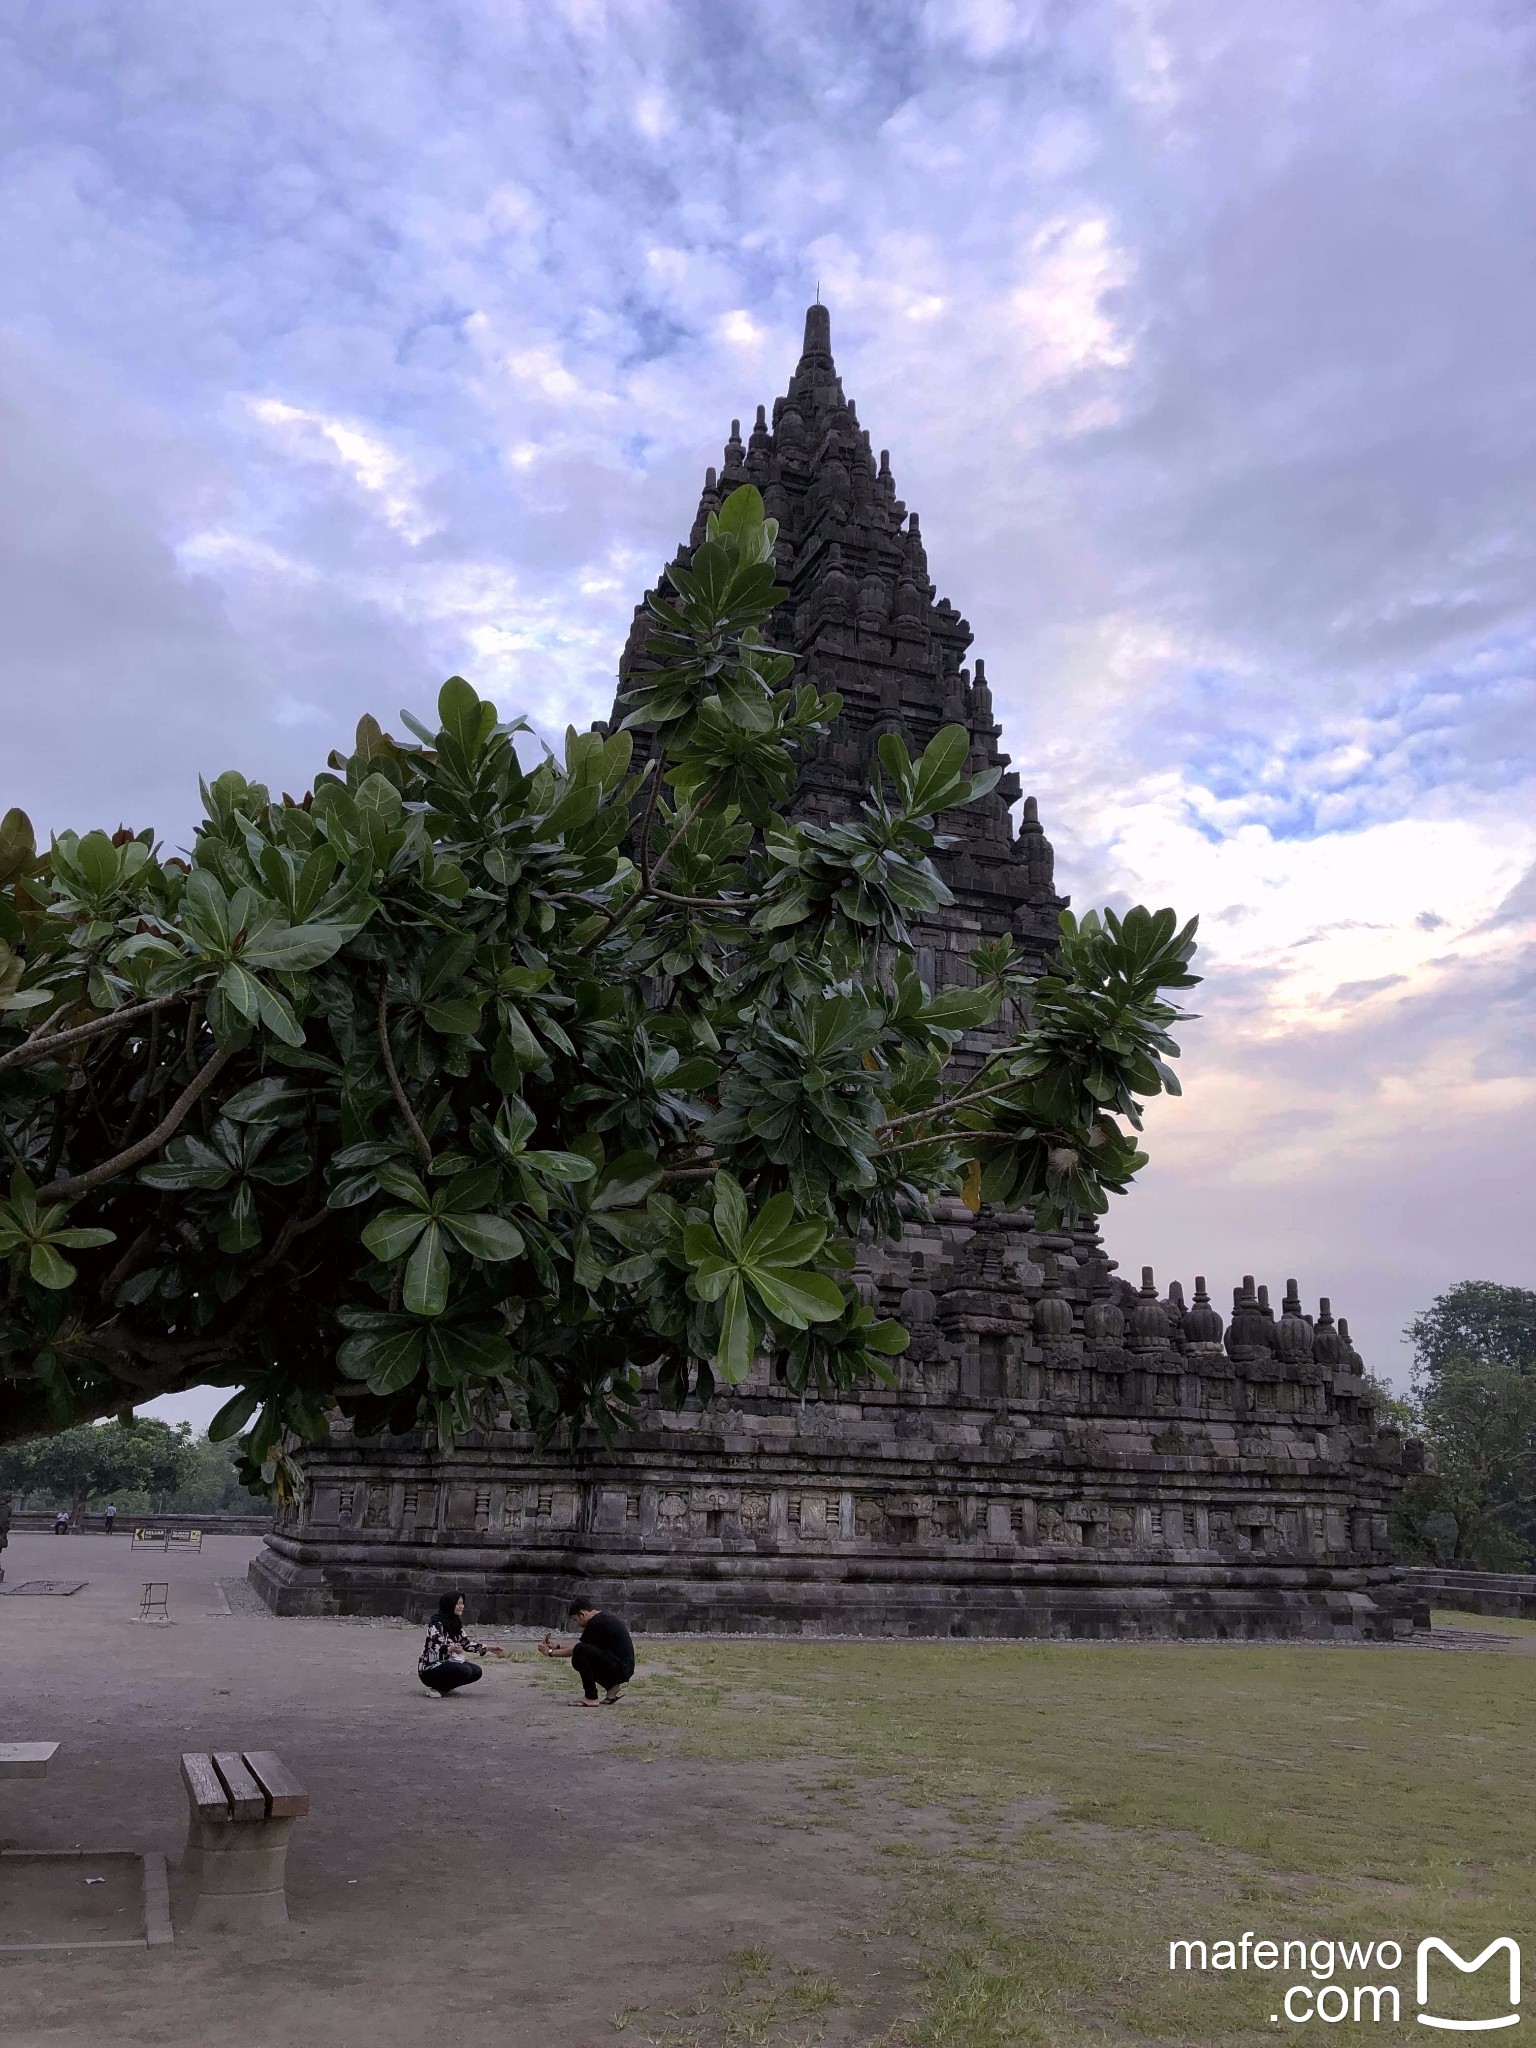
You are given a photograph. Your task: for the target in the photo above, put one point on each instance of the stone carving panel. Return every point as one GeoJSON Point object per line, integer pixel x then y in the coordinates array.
{"type": "Point", "coordinates": [756, 1513]}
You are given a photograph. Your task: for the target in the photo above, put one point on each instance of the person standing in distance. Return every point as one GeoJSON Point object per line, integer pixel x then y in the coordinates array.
{"type": "Point", "coordinates": [603, 1655]}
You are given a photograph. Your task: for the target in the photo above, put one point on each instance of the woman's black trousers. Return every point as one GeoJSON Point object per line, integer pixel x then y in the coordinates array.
{"type": "Point", "coordinates": [451, 1674]}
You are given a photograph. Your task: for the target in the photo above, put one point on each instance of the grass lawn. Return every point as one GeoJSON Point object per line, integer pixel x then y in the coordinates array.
{"type": "Point", "coordinates": [1055, 1815]}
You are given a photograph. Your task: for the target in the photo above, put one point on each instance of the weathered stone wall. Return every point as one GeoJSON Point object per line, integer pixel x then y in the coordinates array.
{"type": "Point", "coordinates": [1036, 1471]}
{"type": "Point", "coordinates": [903, 1523]}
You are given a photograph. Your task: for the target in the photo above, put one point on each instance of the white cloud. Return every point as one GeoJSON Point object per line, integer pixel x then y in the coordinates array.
{"type": "Point", "coordinates": [984, 28]}
{"type": "Point", "coordinates": [740, 328]}
{"type": "Point", "coordinates": [367, 459]}
{"type": "Point", "coordinates": [1060, 309]}
{"type": "Point", "coordinates": [1326, 918]}
{"type": "Point", "coordinates": [654, 116]}
{"type": "Point", "coordinates": [1198, 334]}
{"type": "Point", "coordinates": [541, 370]}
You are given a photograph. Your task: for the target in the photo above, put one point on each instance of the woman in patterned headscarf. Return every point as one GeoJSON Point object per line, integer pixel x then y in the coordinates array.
{"type": "Point", "coordinates": [444, 1663]}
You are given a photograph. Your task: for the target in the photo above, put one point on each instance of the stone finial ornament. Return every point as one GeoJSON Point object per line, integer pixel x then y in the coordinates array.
{"type": "Point", "coordinates": [1202, 1323]}
{"type": "Point", "coordinates": [1327, 1345]}
{"type": "Point", "coordinates": [1293, 1334]}
{"type": "Point", "coordinates": [1148, 1324]}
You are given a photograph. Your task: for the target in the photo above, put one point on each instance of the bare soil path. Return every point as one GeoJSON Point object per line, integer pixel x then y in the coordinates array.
{"type": "Point", "coordinates": [490, 1868]}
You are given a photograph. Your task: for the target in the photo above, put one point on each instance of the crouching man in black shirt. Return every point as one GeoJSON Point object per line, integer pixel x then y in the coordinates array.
{"type": "Point", "coordinates": [602, 1656]}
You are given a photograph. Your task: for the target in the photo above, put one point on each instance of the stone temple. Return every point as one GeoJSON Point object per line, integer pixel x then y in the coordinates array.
{"type": "Point", "coordinates": [1065, 1454]}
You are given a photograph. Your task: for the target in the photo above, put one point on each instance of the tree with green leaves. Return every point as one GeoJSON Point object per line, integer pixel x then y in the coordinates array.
{"type": "Point", "coordinates": [466, 1085]}
{"type": "Point", "coordinates": [1474, 1377]}
{"type": "Point", "coordinates": [94, 1462]}
{"type": "Point", "coordinates": [212, 1485]}
{"type": "Point", "coordinates": [1475, 1320]}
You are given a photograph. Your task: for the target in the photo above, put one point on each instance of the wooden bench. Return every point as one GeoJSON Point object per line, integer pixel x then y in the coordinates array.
{"type": "Point", "coordinates": [242, 1807]}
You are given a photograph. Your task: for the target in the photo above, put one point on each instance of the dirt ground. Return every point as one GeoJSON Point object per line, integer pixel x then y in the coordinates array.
{"type": "Point", "coordinates": [489, 1869]}
{"type": "Point", "coordinates": [766, 1845]}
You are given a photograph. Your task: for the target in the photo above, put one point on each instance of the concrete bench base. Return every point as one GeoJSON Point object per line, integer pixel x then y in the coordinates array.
{"type": "Point", "coordinates": [234, 1873]}
{"type": "Point", "coordinates": [242, 1808]}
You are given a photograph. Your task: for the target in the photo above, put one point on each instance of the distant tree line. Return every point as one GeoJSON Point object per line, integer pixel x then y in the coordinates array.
{"type": "Point", "coordinates": [1474, 1405]}
{"type": "Point", "coordinates": [142, 1466]}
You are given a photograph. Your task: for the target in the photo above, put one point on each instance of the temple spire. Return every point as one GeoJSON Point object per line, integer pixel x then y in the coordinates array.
{"type": "Point", "coordinates": [861, 617]}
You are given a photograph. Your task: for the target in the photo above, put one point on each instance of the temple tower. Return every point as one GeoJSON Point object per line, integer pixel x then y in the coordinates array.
{"type": "Point", "coordinates": [1064, 1453]}
{"type": "Point", "coordinates": [862, 617]}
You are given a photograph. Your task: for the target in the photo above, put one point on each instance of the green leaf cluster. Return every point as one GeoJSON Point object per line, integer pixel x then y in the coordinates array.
{"type": "Point", "coordinates": [489, 1080]}
{"type": "Point", "coordinates": [1050, 1138]}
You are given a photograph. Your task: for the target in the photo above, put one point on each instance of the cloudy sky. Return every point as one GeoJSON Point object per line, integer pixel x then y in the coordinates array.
{"type": "Point", "coordinates": [342, 348]}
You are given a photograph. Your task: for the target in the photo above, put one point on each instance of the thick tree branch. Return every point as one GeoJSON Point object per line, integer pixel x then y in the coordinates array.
{"type": "Point", "coordinates": [291, 1232]}
{"type": "Point", "coordinates": [718, 903]}
{"type": "Point", "coordinates": [648, 873]}
{"type": "Point", "coordinates": [643, 837]}
{"type": "Point", "coordinates": [128, 1263]}
{"type": "Point", "coordinates": [916, 1144]}
{"type": "Point", "coordinates": [25, 1411]}
{"type": "Point", "coordinates": [417, 1133]}
{"type": "Point", "coordinates": [58, 1041]}
{"type": "Point", "coordinates": [143, 1365]}
{"type": "Point", "coordinates": [682, 831]}
{"type": "Point", "coordinates": [913, 1116]}
{"type": "Point", "coordinates": [169, 1124]}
